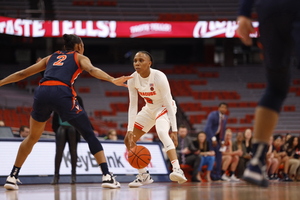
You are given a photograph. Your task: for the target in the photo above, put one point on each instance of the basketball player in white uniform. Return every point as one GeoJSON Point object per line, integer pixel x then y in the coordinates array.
{"type": "Point", "coordinates": [160, 110]}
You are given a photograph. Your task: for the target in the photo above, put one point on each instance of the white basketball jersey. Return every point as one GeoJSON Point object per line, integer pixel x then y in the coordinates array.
{"type": "Point", "coordinates": [156, 92]}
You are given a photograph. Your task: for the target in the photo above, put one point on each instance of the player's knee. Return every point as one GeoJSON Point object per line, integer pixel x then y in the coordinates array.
{"type": "Point", "coordinates": [166, 140]}
{"type": "Point", "coordinates": [32, 138]}
{"type": "Point", "coordinates": [169, 147]}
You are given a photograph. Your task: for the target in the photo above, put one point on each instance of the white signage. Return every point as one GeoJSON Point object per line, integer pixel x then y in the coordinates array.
{"type": "Point", "coordinates": [41, 160]}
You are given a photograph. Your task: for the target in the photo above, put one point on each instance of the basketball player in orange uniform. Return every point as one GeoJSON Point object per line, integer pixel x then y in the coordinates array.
{"type": "Point", "coordinates": [56, 93]}
{"type": "Point", "coordinates": [159, 110]}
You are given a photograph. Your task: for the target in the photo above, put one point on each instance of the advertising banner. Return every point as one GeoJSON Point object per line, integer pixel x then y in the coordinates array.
{"type": "Point", "coordinates": [121, 29]}
{"type": "Point", "coordinates": [41, 160]}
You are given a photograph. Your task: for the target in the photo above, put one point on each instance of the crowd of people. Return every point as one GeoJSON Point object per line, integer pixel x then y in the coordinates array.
{"type": "Point", "coordinates": [283, 156]}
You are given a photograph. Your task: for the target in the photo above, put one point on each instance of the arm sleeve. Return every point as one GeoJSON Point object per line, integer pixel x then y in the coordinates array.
{"type": "Point", "coordinates": [133, 104]}
{"type": "Point", "coordinates": [165, 90]}
{"type": "Point", "coordinates": [245, 7]}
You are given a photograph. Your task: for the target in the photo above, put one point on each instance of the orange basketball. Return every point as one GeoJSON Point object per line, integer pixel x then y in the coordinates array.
{"type": "Point", "coordinates": [139, 157]}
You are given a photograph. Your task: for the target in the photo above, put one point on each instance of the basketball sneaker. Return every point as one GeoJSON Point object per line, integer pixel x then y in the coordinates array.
{"type": "Point", "coordinates": [11, 183]}
{"type": "Point", "coordinates": [109, 181]}
{"type": "Point", "coordinates": [233, 178]}
{"type": "Point", "coordinates": [224, 177]}
{"type": "Point", "coordinates": [141, 179]}
{"type": "Point", "coordinates": [178, 175]}
{"type": "Point", "coordinates": [255, 173]}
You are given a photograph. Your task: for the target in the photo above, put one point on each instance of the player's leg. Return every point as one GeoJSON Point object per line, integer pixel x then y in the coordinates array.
{"type": "Point", "coordinates": [83, 125]}
{"type": "Point", "coordinates": [162, 126]}
{"type": "Point", "coordinates": [143, 124]}
{"type": "Point", "coordinates": [36, 130]}
{"type": "Point", "coordinates": [276, 58]}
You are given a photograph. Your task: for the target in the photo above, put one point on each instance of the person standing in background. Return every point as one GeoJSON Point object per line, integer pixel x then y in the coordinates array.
{"type": "Point", "coordinates": [279, 30]}
{"type": "Point", "coordinates": [65, 132]}
{"type": "Point", "coordinates": [215, 130]}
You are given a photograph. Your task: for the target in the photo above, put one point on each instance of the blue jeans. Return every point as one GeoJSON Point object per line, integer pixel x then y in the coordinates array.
{"type": "Point", "coordinates": [207, 160]}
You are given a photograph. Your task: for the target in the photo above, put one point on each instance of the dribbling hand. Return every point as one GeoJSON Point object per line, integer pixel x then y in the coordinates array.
{"type": "Point", "coordinates": [130, 139]}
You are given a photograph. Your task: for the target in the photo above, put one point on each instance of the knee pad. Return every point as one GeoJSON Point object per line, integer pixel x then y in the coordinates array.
{"type": "Point", "coordinates": [166, 140]}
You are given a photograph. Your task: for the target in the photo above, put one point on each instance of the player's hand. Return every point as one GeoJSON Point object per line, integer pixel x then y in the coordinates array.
{"type": "Point", "coordinates": [120, 81]}
{"type": "Point", "coordinates": [244, 29]}
{"type": "Point", "coordinates": [174, 138]}
{"type": "Point", "coordinates": [131, 143]}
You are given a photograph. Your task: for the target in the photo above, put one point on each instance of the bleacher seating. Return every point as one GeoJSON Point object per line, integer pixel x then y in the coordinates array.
{"type": "Point", "coordinates": [107, 104]}
{"type": "Point", "coordinates": [15, 9]}
{"type": "Point", "coordinates": [150, 10]}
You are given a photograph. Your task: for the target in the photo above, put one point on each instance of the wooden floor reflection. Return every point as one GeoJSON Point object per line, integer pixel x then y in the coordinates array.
{"type": "Point", "coordinates": [156, 191]}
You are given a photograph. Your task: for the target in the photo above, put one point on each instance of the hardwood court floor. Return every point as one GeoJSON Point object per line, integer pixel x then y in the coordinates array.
{"type": "Point", "coordinates": [156, 191]}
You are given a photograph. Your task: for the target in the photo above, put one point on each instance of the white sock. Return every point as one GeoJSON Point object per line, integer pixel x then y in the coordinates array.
{"type": "Point", "coordinates": [175, 164]}
{"type": "Point", "coordinates": [143, 170]}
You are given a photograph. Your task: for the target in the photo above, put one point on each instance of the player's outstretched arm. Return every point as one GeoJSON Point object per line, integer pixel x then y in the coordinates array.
{"type": "Point", "coordinates": [24, 73]}
{"type": "Point", "coordinates": [244, 29]}
{"type": "Point", "coordinates": [86, 65]}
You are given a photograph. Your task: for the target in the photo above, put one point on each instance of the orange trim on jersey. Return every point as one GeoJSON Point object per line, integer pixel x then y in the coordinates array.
{"type": "Point", "coordinates": [138, 126]}
{"type": "Point", "coordinates": [76, 60]}
{"type": "Point", "coordinates": [51, 83]}
{"type": "Point", "coordinates": [75, 75]}
{"type": "Point", "coordinates": [162, 113]}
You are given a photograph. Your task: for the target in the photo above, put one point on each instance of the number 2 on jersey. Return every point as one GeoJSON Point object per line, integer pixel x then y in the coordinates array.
{"type": "Point", "coordinates": [60, 58]}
